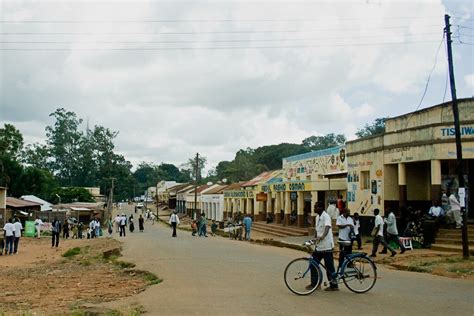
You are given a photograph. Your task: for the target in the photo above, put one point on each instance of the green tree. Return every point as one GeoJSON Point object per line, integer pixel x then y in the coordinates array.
{"type": "Point", "coordinates": [376, 128]}
{"type": "Point", "coordinates": [189, 168]}
{"type": "Point", "coordinates": [70, 194]}
{"type": "Point", "coordinates": [315, 143]}
{"type": "Point", "coordinates": [11, 141]}
{"type": "Point", "coordinates": [39, 182]}
{"type": "Point", "coordinates": [36, 155]}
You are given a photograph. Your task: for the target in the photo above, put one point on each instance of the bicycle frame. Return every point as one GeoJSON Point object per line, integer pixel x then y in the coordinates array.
{"type": "Point", "coordinates": [339, 272]}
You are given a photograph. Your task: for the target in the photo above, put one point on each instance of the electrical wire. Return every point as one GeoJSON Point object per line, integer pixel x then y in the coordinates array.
{"type": "Point", "coordinates": [215, 48]}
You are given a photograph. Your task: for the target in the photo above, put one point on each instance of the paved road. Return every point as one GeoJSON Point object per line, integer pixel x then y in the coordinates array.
{"type": "Point", "coordinates": [218, 276]}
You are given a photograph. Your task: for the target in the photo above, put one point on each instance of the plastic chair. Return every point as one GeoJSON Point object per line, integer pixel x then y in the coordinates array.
{"type": "Point", "coordinates": [406, 242]}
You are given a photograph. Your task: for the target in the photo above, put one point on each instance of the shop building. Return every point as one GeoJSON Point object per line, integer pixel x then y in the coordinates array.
{"type": "Point", "coordinates": [413, 162]}
{"type": "Point", "coordinates": [234, 200]}
{"type": "Point", "coordinates": [179, 192]}
{"type": "Point", "coordinates": [213, 203]}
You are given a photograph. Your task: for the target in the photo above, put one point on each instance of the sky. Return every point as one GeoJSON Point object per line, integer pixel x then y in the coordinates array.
{"type": "Point", "coordinates": [180, 77]}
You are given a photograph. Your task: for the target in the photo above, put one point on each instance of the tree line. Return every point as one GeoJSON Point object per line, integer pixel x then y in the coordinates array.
{"type": "Point", "coordinates": [74, 157]}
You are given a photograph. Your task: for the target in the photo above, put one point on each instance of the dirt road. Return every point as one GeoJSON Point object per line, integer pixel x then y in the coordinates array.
{"type": "Point", "coordinates": [217, 276]}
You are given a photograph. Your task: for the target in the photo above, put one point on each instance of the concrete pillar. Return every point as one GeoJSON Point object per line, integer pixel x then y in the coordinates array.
{"type": "Point", "coordinates": [277, 207]}
{"type": "Point", "coordinates": [435, 180]}
{"type": "Point", "coordinates": [287, 208]}
{"type": "Point", "coordinates": [249, 202]}
{"type": "Point", "coordinates": [269, 206]}
{"type": "Point", "coordinates": [242, 206]}
{"type": "Point", "coordinates": [402, 185]}
{"type": "Point", "coordinates": [300, 209]}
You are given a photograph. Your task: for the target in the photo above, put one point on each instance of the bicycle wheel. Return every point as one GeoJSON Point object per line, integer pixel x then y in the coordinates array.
{"type": "Point", "coordinates": [360, 274]}
{"type": "Point", "coordinates": [298, 276]}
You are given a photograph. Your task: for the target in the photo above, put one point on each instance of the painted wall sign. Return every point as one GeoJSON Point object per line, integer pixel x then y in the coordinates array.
{"type": "Point", "coordinates": [261, 197]}
{"type": "Point", "coordinates": [451, 132]}
{"type": "Point", "coordinates": [235, 194]}
{"type": "Point", "coordinates": [279, 187]}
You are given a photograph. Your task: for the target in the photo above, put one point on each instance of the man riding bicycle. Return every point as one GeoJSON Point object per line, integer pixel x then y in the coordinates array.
{"type": "Point", "coordinates": [324, 248]}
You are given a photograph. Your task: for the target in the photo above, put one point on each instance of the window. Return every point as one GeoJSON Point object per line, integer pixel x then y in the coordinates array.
{"type": "Point", "coordinates": [365, 180]}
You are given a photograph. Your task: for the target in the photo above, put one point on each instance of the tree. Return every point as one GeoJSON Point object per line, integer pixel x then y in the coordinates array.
{"type": "Point", "coordinates": [36, 155]}
{"type": "Point", "coordinates": [322, 142]}
{"type": "Point", "coordinates": [70, 195]}
{"type": "Point", "coordinates": [190, 167]}
{"type": "Point", "coordinates": [376, 128]}
{"type": "Point", "coordinates": [39, 182]}
{"type": "Point", "coordinates": [11, 141]}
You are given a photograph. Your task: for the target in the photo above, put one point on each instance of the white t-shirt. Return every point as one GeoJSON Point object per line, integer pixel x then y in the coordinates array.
{"type": "Point", "coordinates": [344, 232]}
{"type": "Point", "coordinates": [123, 221]}
{"type": "Point", "coordinates": [9, 228]}
{"type": "Point", "coordinates": [332, 211]}
{"type": "Point", "coordinates": [391, 222]}
{"type": "Point", "coordinates": [321, 222]}
{"type": "Point", "coordinates": [356, 226]}
{"type": "Point", "coordinates": [436, 211]}
{"type": "Point", "coordinates": [18, 228]}
{"type": "Point", "coordinates": [38, 224]}
{"type": "Point", "coordinates": [174, 218]}
{"type": "Point", "coordinates": [454, 203]}
{"type": "Point", "coordinates": [117, 219]}
{"type": "Point", "coordinates": [379, 221]}
{"type": "Point", "coordinates": [97, 224]}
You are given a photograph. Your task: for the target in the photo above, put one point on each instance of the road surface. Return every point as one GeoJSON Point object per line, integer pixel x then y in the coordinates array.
{"type": "Point", "coordinates": [217, 276]}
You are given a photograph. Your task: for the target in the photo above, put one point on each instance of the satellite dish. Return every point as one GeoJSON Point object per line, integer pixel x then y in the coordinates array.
{"type": "Point", "coordinates": [209, 183]}
{"type": "Point", "coordinates": [224, 180]}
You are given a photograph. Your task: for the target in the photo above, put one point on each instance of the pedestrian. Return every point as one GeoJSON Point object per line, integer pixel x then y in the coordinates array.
{"type": "Point", "coordinates": [332, 210]}
{"type": "Point", "coordinates": [123, 224]}
{"type": "Point", "coordinates": [55, 232]}
{"type": "Point", "coordinates": [324, 248]}
{"type": "Point", "coordinates": [9, 229]}
{"type": "Point", "coordinates": [213, 228]}
{"type": "Point", "coordinates": [356, 230]}
{"type": "Point", "coordinates": [194, 227]}
{"type": "Point", "coordinates": [377, 232]}
{"type": "Point", "coordinates": [2, 243]}
{"type": "Point", "coordinates": [66, 229]}
{"type": "Point", "coordinates": [445, 202]}
{"type": "Point", "coordinates": [345, 224]}
{"type": "Point", "coordinates": [97, 228]}
{"type": "Point", "coordinates": [203, 225]}
{"type": "Point", "coordinates": [92, 229]}
{"type": "Point", "coordinates": [248, 226]}
{"type": "Point", "coordinates": [174, 221]}
{"type": "Point", "coordinates": [131, 224]}
{"type": "Point", "coordinates": [117, 223]}
{"type": "Point", "coordinates": [18, 229]}
{"type": "Point", "coordinates": [454, 213]}
{"type": "Point", "coordinates": [80, 228]}
{"type": "Point", "coordinates": [340, 204]}
{"type": "Point", "coordinates": [38, 224]}
{"type": "Point", "coordinates": [110, 226]}
{"type": "Point", "coordinates": [141, 222]}
{"type": "Point", "coordinates": [392, 232]}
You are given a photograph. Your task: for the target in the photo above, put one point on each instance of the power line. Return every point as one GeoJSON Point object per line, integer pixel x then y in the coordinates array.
{"type": "Point", "coordinates": [210, 32]}
{"type": "Point", "coordinates": [205, 41]}
{"type": "Point", "coordinates": [215, 48]}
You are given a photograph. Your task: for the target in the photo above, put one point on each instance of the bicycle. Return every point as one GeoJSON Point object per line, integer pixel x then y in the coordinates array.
{"type": "Point", "coordinates": [358, 272]}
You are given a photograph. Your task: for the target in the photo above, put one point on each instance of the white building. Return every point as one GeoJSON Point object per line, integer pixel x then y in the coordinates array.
{"type": "Point", "coordinates": [213, 202]}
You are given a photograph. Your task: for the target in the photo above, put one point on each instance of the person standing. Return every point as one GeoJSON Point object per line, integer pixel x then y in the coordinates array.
{"type": "Point", "coordinates": [91, 229]}
{"type": "Point", "coordinates": [80, 228]}
{"type": "Point", "coordinates": [324, 249]}
{"type": "Point", "coordinates": [378, 232]}
{"type": "Point", "coordinates": [97, 228]}
{"type": "Point", "coordinates": [9, 229]}
{"type": "Point", "coordinates": [56, 230]}
{"type": "Point", "coordinates": [65, 229]}
{"type": "Point", "coordinates": [356, 230]}
{"type": "Point", "coordinates": [248, 226]}
{"type": "Point", "coordinates": [332, 210]}
{"type": "Point", "coordinates": [38, 224]}
{"type": "Point", "coordinates": [203, 225]}
{"type": "Point", "coordinates": [117, 223]}
{"type": "Point", "coordinates": [340, 204]}
{"type": "Point", "coordinates": [454, 212]}
{"type": "Point", "coordinates": [392, 232]}
{"type": "Point", "coordinates": [174, 221]}
{"type": "Point", "coordinates": [123, 224]}
{"type": "Point", "coordinates": [141, 222]}
{"type": "Point", "coordinates": [131, 224]}
{"type": "Point", "coordinates": [18, 229]}
{"type": "Point", "coordinates": [345, 224]}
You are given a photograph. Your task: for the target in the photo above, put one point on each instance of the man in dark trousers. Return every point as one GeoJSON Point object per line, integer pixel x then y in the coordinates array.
{"type": "Point", "coordinates": [56, 231]}
{"type": "Point", "coordinates": [174, 221]}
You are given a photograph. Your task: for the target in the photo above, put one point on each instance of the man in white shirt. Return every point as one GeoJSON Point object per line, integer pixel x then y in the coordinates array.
{"type": "Point", "coordinates": [345, 224]}
{"type": "Point", "coordinates": [117, 223]}
{"type": "Point", "coordinates": [38, 224]}
{"type": "Point", "coordinates": [9, 229]}
{"type": "Point", "coordinates": [174, 221]}
{"type": "Point", "coordinates": [18, 229]}
{"type": "Point", "coordinates": [324, 248]}
{"type": "Point", "coordinates": [123, 225]}
{"type": "Point", "coordinates": [332, 210]}
{"type": "Point", "coordinates": [454, 213]}
{"type": "Point", "coordinates": [356, 230]}
{"type": "Point", "coordinates": [378, 238]}
{"type": "Point", "coordinates": [392, 232]}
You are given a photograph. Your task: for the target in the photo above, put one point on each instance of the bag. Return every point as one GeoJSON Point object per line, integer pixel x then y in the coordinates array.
{"type": "Point", "coordinates": [374, 232]}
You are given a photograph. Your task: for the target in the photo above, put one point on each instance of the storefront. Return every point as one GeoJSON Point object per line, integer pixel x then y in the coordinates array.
{"type": "Point", "coordinates": [213, 203]}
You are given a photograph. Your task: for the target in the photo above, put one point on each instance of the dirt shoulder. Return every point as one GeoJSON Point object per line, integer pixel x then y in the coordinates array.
{"type": "Point", "coordinates": [62, 281]}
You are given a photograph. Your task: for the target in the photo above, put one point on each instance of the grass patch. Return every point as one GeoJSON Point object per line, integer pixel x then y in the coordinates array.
{"type": "Point", "coordinates": [124, 264]}
{"type": "Point", "coordinates": [72, 252]}
{"type": "Point", "coordinates": [151, 278]}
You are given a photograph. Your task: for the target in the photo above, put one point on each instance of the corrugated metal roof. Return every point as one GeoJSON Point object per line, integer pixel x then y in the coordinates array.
{"type": "Point", "coordinates": [218, 189]}
{"type": "Point", "coordinates": [261, 178]}
{"type": "Point", "coordinates": [233, 186]}
{"type": "Point", "coordinates": [14, 202]}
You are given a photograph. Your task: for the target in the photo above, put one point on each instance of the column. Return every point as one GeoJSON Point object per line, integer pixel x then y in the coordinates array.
{"type": "Point", "coordinates": [242, 206]}
{"type": "Point", "coordinates": [280, 206]}
{"type": "Point", "coordinates": [300, 209]}
{"type": "Point", "coordinates": [287, 208]}
{"type": "Point", "coordinates": [402, 185]}
{"type": "Point", "coordinates": [435, 180]}
{"type": "Point", "coordinates": [269, 206]}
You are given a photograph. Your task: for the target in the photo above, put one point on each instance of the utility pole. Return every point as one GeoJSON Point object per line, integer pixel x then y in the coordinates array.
{"type": "Point", "coordinates": [111, 198]}
{"type": "Point", "coordinates": [457, 128]}
{"type": "Point", "coordinates": [196, 171]}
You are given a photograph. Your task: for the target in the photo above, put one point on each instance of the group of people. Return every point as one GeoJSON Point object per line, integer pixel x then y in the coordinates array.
{"type": "Point", "coordinates": [448, 211]}
{"type": "Point", "coordinates": [199, 226]}
{"type": "Point", "coordinates": [121, 222]}
{"type": "Point", "coordinates": [11, 238]}
{"type": "Point", "coordinates": [240, 224]}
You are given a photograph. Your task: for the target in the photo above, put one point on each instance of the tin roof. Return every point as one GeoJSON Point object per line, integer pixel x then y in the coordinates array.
{"type": "Point", "coordinates": [14, 202]}
{"type": "Point", "coordinates": [201, 188]}
{"type": "Point", "coordinates": [233, 186]}
{"type": "Point", "coordinates": [218, 189]}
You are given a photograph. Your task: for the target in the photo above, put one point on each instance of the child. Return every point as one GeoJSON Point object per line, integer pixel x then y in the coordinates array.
{"type": "Point", "coordinates": [213, 228]}
{"type": "Point", "coordinates": [194, 227]}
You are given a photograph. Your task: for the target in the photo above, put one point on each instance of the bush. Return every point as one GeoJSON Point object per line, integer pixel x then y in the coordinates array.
{"type": "Point", "coordinates": [72, 252]}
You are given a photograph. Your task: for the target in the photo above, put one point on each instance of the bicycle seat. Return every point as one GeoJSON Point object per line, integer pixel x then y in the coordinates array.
{"type": "Point", "coordinates": [344, 242]}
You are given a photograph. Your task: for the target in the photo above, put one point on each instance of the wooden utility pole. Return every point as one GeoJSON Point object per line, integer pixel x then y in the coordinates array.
{"type": "Point", "coordinates": [457, 129]}
{"type": "Point", "coordinates": [110, 199]}
{"type": "Point", "coordinates": [196, 171]}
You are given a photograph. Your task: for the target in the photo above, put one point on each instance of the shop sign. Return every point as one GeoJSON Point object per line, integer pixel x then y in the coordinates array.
{"type": "Point", "coordinates": [261, 197]}
{"type": "Point", "coordinates": [279, 187]}
{"type": "Point", "coordinates": [266, 188]}
{"type": "Point", "coordinates": [235, 194]}
{"type": "Point", "coordinates": [450, 131]}
{"type": "Point", "coordinates": [250, 194]}
{"type": "Point", "coordinates": [298, 186]}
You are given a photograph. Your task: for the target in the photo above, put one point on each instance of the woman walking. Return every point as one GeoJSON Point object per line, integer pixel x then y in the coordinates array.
{"type": "Point", "coordinates": [141, 222]}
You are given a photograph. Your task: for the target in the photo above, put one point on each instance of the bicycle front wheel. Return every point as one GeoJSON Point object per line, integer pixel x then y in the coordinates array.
{"type": "Point", "coordinates": [298, 276]}
{"type": "Point", "coordinates": [360, 275]}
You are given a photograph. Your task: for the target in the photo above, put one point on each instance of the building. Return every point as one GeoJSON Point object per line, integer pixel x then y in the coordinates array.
{"type": "Point", "coordinates": [162, 188]}
{"type": "Point", "coordinates": [213, 202]}
{"type": "Point", "coordinates": [234, 196]}
{"type": "Point", "coordinates": [95, 192]}
{"type": "Point", "coordinates": [191, 196]}
{"type": "Point", "coordinates": [45, 205]}
{"type": "Point", "coordinates": [413, 162]}
{"type": "Point", "coordinates": [178, 193]}
{"type": "Point", "coordinates": [24, 210]}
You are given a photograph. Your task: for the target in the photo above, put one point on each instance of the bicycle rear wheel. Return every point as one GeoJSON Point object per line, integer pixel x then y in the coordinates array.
{"type": "Point", "coordinates": [360, 275]}
{"type": "Point", "coordinates": [298, 276]}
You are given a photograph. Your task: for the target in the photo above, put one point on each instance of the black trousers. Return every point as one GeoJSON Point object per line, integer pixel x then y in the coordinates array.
{"type": "Point", "coordinates": [343, 252]}
{"type": "Point", "coordinates": [122, 230]}
{"type": "Point", "coordinates": [380, 240]}
{"type": "Point", "coordinates": [173, 224]}
{"type": "Point", "coordinates": [329, 263]}
{"type": "Point", "coordinates": [16, 241]}
{"type": "Point", "coordinates": [359, 241]}
{"type": "Point", "coordinates": [395, 238]}
{"type": "Point", "coordinates": [55, 239]}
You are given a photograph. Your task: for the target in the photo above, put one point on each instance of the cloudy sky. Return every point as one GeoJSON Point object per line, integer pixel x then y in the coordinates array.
{"type": "Point", "coordinates": [176, 78]}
